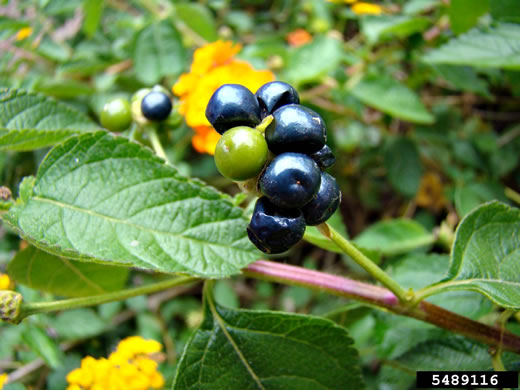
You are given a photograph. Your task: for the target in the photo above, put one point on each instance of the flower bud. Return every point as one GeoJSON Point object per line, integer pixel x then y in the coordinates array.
{"type": "Point", "coordinates": [10, 304]}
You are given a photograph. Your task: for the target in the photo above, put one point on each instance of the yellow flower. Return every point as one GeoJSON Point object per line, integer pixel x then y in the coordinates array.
{"type": "Point", "coordinates": [5, 282]}
{"type": "Point", "coordinates": [3, 380]}
{"type": "Point", "coordinates": [213, 65]}
{"type": "Point", "coordinates": [129, 367]}
{"type": "Point", "coordinates": [362, 8]}
{"type": "Point", "coordinates": [24, 33]}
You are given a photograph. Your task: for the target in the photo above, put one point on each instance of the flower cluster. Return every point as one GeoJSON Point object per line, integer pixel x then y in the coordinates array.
{"type": "Point", "coordinates": [3, 380]}
{"type": "Point", "coordinates": [213, 65]}
{"type": "Point", "coordinates": [5, 282]}
{"type": "Point", "coordinates": [129, 367]}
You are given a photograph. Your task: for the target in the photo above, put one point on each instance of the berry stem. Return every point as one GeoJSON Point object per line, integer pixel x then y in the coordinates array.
{"type": "Point", "coordinates": [262, 127]}
{"type": "Point", "coordinates": [383, 299]}
{"type": "Point", "coordinates": [513, 195]}
{"type": "Point", "coordinates": [28, 309]}
{"type": "Point", "coordinates": [156, 143]}
{"type": "Point", "coordinates": [367, 264]}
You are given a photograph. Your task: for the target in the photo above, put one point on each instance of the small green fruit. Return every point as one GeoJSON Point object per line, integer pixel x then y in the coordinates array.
{"type": "Point", "coordinates": [116, 115]}
{"type": "Point", "coordinates": [135, 102]}
{"type": "Point", "coordinates": [241, 153]}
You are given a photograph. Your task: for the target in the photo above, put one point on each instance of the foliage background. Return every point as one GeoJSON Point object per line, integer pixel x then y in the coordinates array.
{"type": "Point", "coordinates": [421, 99]}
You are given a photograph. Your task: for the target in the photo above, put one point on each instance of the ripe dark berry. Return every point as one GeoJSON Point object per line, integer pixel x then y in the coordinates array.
{"type": "Point", "coordinates": [241, 153]}
{"type": "Point", "coordinates": [297, 129]}
{"type": "Point", "coordinates": [273, 95]}
{"type": "Point", "coordinates": [273, 229]}
{"type": "Point", "coordinates": [324, 157]}
{"type": "Point", "coordinates": [156, 106]}
{"type": "Point", "coordinates": [232, 105]}
{"type": "Point", "coordinates": [326, 201]}
{"type": "Point", "coordinates": [291, 180]}
{"type": "Point", "coordinates": [116, 115]}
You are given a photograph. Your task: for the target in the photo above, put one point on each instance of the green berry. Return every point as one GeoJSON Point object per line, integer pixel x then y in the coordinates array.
{"type": "Point", "coordinates": [241, 153]}
{"type": "Point", "coordinates": [116, 115]}
{"type": "Point", "coordinates": [135, 102]}
{"type": "Point", "coordinates": [139, 95]}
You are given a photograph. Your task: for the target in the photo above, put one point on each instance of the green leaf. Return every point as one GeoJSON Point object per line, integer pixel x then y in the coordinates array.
{"type": "Point", "coordinates": [78, 324]}
{"type": "Point", "coordinates": [464, 14]}
{"type": "Point", "coordinates": [93, 10]}
{"type": "Point", "coordinates": [404, 166]}
{"type": "Point", "coordinates": [245, 349]}
{"type": "Point", "coordinates": [469, 196]}
{"type": "Point", "coordinates": [395, 237]}
{"type": "Point", "coordinates": [486, 255]}
{"type": "Point", "coordinates": [413, 7]}
{"type": "Point", "coordinates": [314, 60]}
{"type": "Point", "coordinates": [375, 28]}
{"type": "Point", "coordinates": [505, 10]}
{"type": "Point", "coordinates": [63, 89]}
{"type": "Point", "coordinates": [198, 18]}
{"type": "Point", "coordinates": [57, 275]}
{"type": "Point", "coordinates": [493, 47]}
{"type": "Point", "coordinates": [464, 78]}
{"type": "Point", "coordinates": [392, 97]}
{"type": "Point", "coordinates": [158, 52]}
{"type": "Point", "coordinates": [444, 354]}
{"type": "Point", "coordinates": [31, 121]}
{"type": "Point", "coordinates": [42, 345]}
{"type": "Point", "coordinates": [102, 197]}
{"type": "Point", "coordinates": [313, 235]}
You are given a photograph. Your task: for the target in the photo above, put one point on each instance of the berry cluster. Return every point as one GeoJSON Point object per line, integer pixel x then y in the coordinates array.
{"type": "Point", "coordinates": [153, 105]}
{"type": "Point", "coordinates": [271, 139]}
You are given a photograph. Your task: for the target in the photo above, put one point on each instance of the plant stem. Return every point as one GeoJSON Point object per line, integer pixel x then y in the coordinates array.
{"type": "Point", "coordinates": [156, 143]}
{"type": "Point", "coordinates": [365, 262]}
{"type": "Point", "coordinates": [383, 299]}
{"type": "Point", "coordinates": [28, 309]}
{"type": "Point", "coordinates": [513, 195]}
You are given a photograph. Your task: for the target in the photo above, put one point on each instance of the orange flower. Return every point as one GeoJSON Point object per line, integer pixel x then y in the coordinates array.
{"type": "Point", "coordinates": [213, 65]}
{"type": "Point", "coordinates": [205, 140]}
{"type": "Point", "coordinates": [298, 37]}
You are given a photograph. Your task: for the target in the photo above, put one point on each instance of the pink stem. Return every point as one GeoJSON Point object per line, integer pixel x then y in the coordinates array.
{"type": "Point", "coordinates": [383, 298]}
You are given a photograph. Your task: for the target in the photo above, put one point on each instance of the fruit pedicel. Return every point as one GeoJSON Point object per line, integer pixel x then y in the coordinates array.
{"type": "Point", "coordinates": [270, 140]}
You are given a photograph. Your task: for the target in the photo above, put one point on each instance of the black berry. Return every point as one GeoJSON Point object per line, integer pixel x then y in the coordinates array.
{"type": "Point", "coordinates": [232, 105]}
{"type": "Point", "coordinates": [324, 203]}
{"type": "Point", "coordinates": [156, 106]}
{"type": "Point", "coordinates": [273, 229]}
{"type": "Point", "coordinates": [297, 129]}
{"type": "Point", "coordinates": [274, 95]}
{"type": "Point", "coordinates": [324, 157]}
{"type": "Point", "coordinates": [291, 180]}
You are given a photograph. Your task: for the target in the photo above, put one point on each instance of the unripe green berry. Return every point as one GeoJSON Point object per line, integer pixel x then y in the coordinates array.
{"type": "Point", "coordinates": [135, 102]}
{"type": "Point", "coordinates": [116, 115]}
{"type": "Point", "coordinates": [241, 153]}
